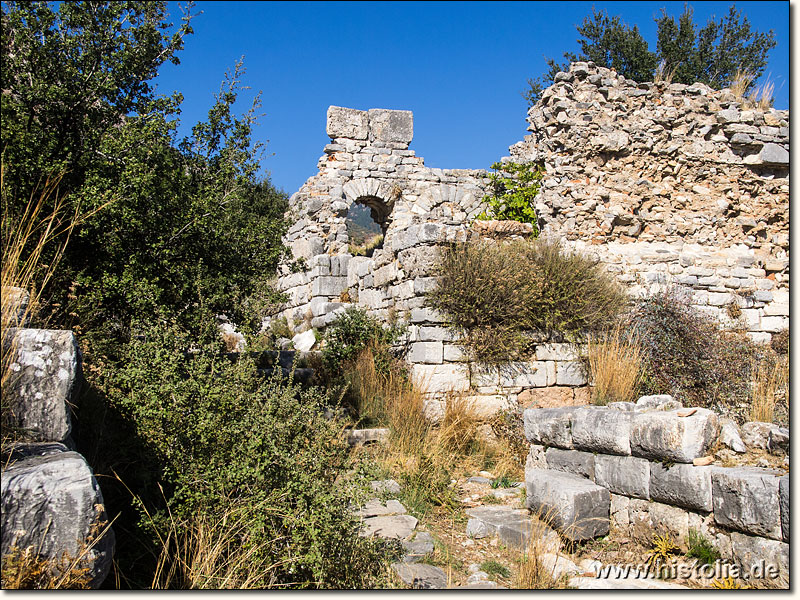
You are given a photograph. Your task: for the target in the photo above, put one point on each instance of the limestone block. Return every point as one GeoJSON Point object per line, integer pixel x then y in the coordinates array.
{"type": "Point", "coordinates": [756, 554]}
{"type": "Point", "coordinates": [433, 410]}
{"type": "Point", "coordinates": [570, 373]}
{"type": "Point", "coordinates": [436, 334]}
{"type": "Point", "coordinates": [421, 576]}
{"type": "Point", "coordinates": [347, 123]}
{"type": "Point", "coordinates": [561, 352]}
{"type": "Point", "coordinates": [773, 154]}
{"type": "Point", "coordinates": [620, 518]}
{"type": "Point", "coordinates": [747, 499]}
{"type": "Point", "coordinates": [683, 485]}
{"type": "Point", "coordinates": [755, 434]}
{"type": "Point", "coordinates": [395, 527]}
{"type": "Point", "coordinates": [453, 353]}
{"type": "Point", "coordinates": [571, 461]}
{"type": "Point", "coordinates": [440, 378]}
{"type": "Point", "coordinates": [303, 342]}
{"type": "Point", "coordinates": [623, 406]}
{"type": "Point", "coordinates": [671, 520]}
{"type": "Point", "coordinates": [44, 378]}
{"type": "Point", "coordinates": [487, 406]}
{"type": "Point", "coordinates": [385, 275]}
{"type": "Point", "coordinates": [575, 506]}
{"type": "Point", "coordinates": [426, 353]}
{"type": "Point", "coordinates": [598, 429]}
{"type": "Point", "coordinates": [328, 286]}
{"type": "Point", "coordinates": [657, 402]}
{"type": "Point", "coordinates": [667, 436]}
{"type": "Point", "coordinates": [537, 457]}
{"type": "Point", "coordinates": [391, 125]}
{"type": "Point", "coordinates": [729, 436]}
{"type": "Point", "coordinates": [307, 247]}
{"type": "Point", "coordinates": [783, 489]}
{"type": "Point", "coordinates": [547, 397]}
{"type": "Point", "coordinates": [426, 315]}
{"type": "Point", "coordinates": [52, 503]}
{"type": "Point", "coordinates": [623, 475]}
{"type": "Point", "coordinates": [513, 527]}
{"type": "Point", "coordinates": [549, 426]}
{"type": "Point", "coordinates": [527, 374]}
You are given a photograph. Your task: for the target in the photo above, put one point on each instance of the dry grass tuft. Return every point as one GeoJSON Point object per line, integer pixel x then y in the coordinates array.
{"type": "Point", "coordinates": [663, 74]}
{"type": "Point", "coordinates": [770, 382]}
{"type": "Point", "coordinates": [615, 364]}
{"type": "Point", "coordinates": [535, 567]}
{"type": "Point", "coordinates": [740, 84]}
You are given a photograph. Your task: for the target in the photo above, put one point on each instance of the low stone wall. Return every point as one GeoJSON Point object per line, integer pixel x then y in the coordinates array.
{"type": "Point", "coordinates": [641, 469]}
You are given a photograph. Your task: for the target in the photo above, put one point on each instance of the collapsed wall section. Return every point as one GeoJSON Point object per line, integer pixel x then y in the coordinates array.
{"type": "Point", "coordinates": [669, 183]}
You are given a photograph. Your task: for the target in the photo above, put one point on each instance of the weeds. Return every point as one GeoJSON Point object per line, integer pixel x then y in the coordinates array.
{"type": "Point", "coordinates": [701, 548]}
{"type": "Point", "coordinates": [492, 567]}
{"type": "Point", "coordinates": [770, 380]}
{"type": "Point", "coordinates": [663, 550]}
{"type": "Point", "coordinates": [615, 364]}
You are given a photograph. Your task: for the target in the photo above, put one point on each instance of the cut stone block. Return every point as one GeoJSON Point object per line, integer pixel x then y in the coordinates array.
{"type": "Point", "coordinates": [513, 527]}
{"type": "Point", "coordinates": [602, 430]}
{"type": "Point", "coordinates": [667, 436]}
{"type": "Point", "coordinates": [549, 426]}
{"type": "Point", "coordinates": [44, 378]}
{"type": "Point", "coordinates": [426, 353]}
{"type": "Point", "coordinates": [747, 499]}
{"type": "Point", "coordinates": [421, 576]}
{"type": "Point", "coordinates": [548, 397]}
{"type": "Point", "coordinates": [440, 378]}
{"type": "Point", "coordinates": [420, 546]}
{"type": "Point", "coordinates": [303, 342]}
{"type": "Point", "coordinates": [729, 436]}
{"type": "Point", "coordinates": [386, 485]}
{"type": "Point", "coordinates": [347, 123]}
{"type": "Point", "coordinates": [761, 556]}
{"type": "Point", "coordinates": [784, 501]}
{"type": "Point", "coordinates": [376, 508]}
{"type": "Point", "coordinates": [391, 125]}
{"type": "Point", "coordinates": [623, 475]}
{"type": "Point", "coordinates": [571, 461]}
{"type": "Point", "coordinates": [570, 373]}
{"type": "Point", "coordinates": [575, 506]}
{"type": "Point", "coordinates": [657, 402]}
{"type": "Point", "coordinates": [51, 502]}
{"type": "Point", "coordinates": [683, 485]}
{"type": "Point", "coordinates": [672, 520]}
{"type": "Point", "coordinates": [394, 527]}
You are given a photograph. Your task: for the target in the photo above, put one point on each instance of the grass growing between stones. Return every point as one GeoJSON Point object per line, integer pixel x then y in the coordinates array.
{"type": "Point", "coordinates": [771, 382]}
{"type": "Point", "coordinates": [615, 363]}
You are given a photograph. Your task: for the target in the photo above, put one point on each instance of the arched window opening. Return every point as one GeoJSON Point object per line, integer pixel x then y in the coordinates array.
{"type": "Point", "coordinates": [367, 220]}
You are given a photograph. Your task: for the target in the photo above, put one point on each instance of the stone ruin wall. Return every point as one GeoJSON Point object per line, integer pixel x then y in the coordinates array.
{"type": "Point", "coordinates": [665, 183]}
{"type": "Point", "coordinates": [669, 184]}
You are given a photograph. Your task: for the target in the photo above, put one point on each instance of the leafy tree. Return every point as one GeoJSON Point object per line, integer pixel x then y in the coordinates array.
{"type": "Point", "coordinates": [711, 55]}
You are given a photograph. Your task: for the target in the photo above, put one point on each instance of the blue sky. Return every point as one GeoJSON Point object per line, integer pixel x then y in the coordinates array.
{"type": "Point", "coordinates": [461, 67]}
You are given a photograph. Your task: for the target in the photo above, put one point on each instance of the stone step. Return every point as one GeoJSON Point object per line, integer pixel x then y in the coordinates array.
{"type": "Point", "coordinates": [576, 507]}
{"type": "Point", "coordinates": [514, 527]}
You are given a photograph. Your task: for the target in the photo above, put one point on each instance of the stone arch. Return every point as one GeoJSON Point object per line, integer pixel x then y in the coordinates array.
{"type": "Point", "coordinates": [375, 195]}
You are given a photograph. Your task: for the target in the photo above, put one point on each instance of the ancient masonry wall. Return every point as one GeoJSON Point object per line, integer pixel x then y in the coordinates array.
{"type": "Point", "coordinates": [664, 183]}
{"type": "Point", "coordinates": [669, 184]}
{"type": "Point", "coordinates": [638, 470]}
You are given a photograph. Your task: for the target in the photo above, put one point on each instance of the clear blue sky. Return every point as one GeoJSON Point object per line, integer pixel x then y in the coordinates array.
{"type": "Point", "coordinates": [461, 67]}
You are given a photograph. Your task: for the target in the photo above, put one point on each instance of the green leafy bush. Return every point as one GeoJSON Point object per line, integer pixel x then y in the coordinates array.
{"type": "Point", "coordinates": [513, 189]}
{"type": "Point", "coordinates": [351, 333]}
{"type": "Point", "coordinates": [688, 355]}
{"type": "Point", "coordinates": [220, 435]}
{"type": "Point", "coordinates": [495, 294]}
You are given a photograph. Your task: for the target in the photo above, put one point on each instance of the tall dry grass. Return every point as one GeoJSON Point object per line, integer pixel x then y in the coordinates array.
{"type": "Point", "coordinates": [536, 565]}
{"type": "Point", "coordinates": [740, 84]}
{"type": "Point", "coordinates": [664, 74]}
{"type": "Point", "coordinates": [615, 364]}
{"type": "Point", "coordinates": [771, 381]}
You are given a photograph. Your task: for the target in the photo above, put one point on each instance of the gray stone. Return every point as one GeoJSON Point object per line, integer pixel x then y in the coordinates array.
{"type": "Point", "coordinates": [778, 441]}
{"type": "Point", "coordinates": [756, 554]}
{"type": "Point", "coordinates": [391, 125]}
{"type": "Point", "coordinates": [44, 378]}
{"type": "Point", "coordinates": [624, 406]}
{"type": "Point", "coordinates": [570, 373]}
{"type": "Point", "coordinates": [376, 508]}
{"type": "Point", "coordinates": [328, 286]}
{"type": "Point", "coordinates": [52, 502]}
{"type": "Point", "coordinates": [575, 506]}
{"type": "Point", "coordinates": [755, 434]}
{"type": "Point", "coordinates": [773, 154]}
{"type": "Point", "coordinates": [482, 480]}
{"type": "Point", "coordinates": [364, 436]}
{"type": "Point", "coordinates": [549, 426]}
{"type": "Point", "coordinates": [571, 461]}
{"type": "Point", "coordinates": [747, 499]}
{"type": "Point", "coordinates": [623, 475]}
{"type": "Point", "coordinates": [513, 527]}
{"type": "Point", "coordinates": [303, 342]}
{"type": "Point", "coordinates": [477, 528]}
{"type": "Point", "coordinates": [420, 546]}
{"type": "Point", "coordinates": [729, 436]}
{"type": "Point", "coordinates": [667, 436]}
{"type": "Point", "coordinates": [426, 353]}
{"type": "Point", "coordinates": [386, 485]}
{"type": "Point", "coordinates": [657, 402]}
{"type": "Point", "coordinates": [17, 302]}
{"type": "Point", "coordinates": [783, 490]}
{"type": "Point", "coordinates": [347, 123]}
{"type": "Point", "coordinates": [682, 484]}
{"type": "Point", "coordinates": [395, 527]}
{"type": "Point", "coordinates": [599, 429]}
{"type": "Point", "coordinates": [421, 576]}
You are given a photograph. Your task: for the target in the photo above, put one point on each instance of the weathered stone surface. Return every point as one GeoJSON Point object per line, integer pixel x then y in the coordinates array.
{"type": "Point", "coordinates": [778, 441]}
{"type": "Point", "coordinates": [441, 378]}
{"type": "Point", "coordinates": [657, 402]}
{"type": "Point", "coordinates": [395, 527]}
{"type": "Point", "coordinates": [477, 528]}
{"type": "Point", "coordinates": [747, 499]}
{"type": "Point", "coordinates": [418, 548]}
{"type": "Point", "coordinates": [756, 554]}
{"type": "Point", "coordinates": [537, 458]}
{"type": "Point", "coordinates": [666, 436]}
{"type": "Point", "coordinates": [599, 429]}
{"type": "Point", "coordinates": [364, 436]}
{"type": "Point", "coordinates": [774, 154]}
{"type": "Point", "coordinates": [376, 508]}
{"type": "Point", "coordinates": [347, 123]}
{"type": "Point", "coordinates": [683, 485]}
{"type": "Point", "coordinates": [386, 485]}
{"type": "Point", "coordinates": [426, 353]}
{"type": "Point", "coordinates": [513, 527]}
{"type": "Point", "coordinates": [549, 426]}
{"type": "Point", "coordinates": [783, 488]}
{"type": "Point", "coordinates": [755, 434]}
{"type": "Point", "coordinates": [44, 378]}
{"type": "Point", "coordinates": [729, 436]}
{"type": "Point", "coordinates": [623, 475]}
{"type": "Point", "coordinates": [570, 461]}
{"type": "Point", "coordinates": [575, 506]}
{"type": "Point", "coordinates": [547, 397]}
{"type": "Point", "coordinates": [391, 125]}
{"type": "Point", "coordinates": [570, 373]}
{"type": "Point", "coordinates": [303, 342]}
{"type": "Point", "coordinates": [17, 301]}
{"type": "Point", "coordinates": [421, 576]}
{"type": "Point", "coordinates": [52, 502]}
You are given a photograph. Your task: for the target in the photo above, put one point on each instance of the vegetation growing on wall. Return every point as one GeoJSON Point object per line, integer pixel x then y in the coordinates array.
{"type": "Point", "coordinates": [513, 189]}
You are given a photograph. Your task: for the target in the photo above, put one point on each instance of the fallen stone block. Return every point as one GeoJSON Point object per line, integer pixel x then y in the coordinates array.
{"type": "Point", "coordinates": [683, 485]}
{"type": "Point", "coordinates": [52, 503]}
{"type": "Point", "coordinates": [418, 548]}
{"type": "Point", "coordinates": [668, 436]}
{"type": "Point", "coordinates": [391, 527]}
{"type": "Point", "coordinates": [376, 508]}
{"type": "Point", "coordinates": [386, 485]}
{"type": "Point", "coordinates": [747, 499]}
{"type": "Point", "coordinates": [598, 429]}
{"type": "Point", "coordinates": [766, 559]}
{"type": "Point", "coordinates": [755, 434]}
{"type": "Point", "coordinates": [575, 506]}
{"type": "Point", "coordinates": [421, 576]}
{"type": "Point", "coordinates": [570, 461]}
{"type": "Point", "coordinates": [657, 402]}
{"type": "Point", "coordinates": [729, 436]}
{"type": "Point", "coordinates": [549, 426]}
{"type": "Point", "coordinates": [44, 378]}
{"type": "Point", "coordinates": [513, 527]}
{"type": "Point", "coordinates": [623, 475]}
{"type": "Point", "coordinates": [783, 489]}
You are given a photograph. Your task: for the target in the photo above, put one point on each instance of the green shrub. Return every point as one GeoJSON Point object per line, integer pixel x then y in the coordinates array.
{"type": "Point", "coordinates": [688, 355]}
{"type": "Point", "coordinates": [701, 548]}
{"type": "Point", "coordinates": [495, 294]}
{"type": "Point", "coordinates": [513, 190]}
{"type": "Point", "coordinates": [351, 333]}
{"type": "Point", "coordinates": [492, 567]}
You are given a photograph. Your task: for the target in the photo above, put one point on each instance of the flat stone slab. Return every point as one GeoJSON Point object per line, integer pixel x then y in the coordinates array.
{"type": "Point", "coordinates": [754, 553]}
{"type": "Point", "coordinates": [512, 526]}
{"type": "Point", "coordinates": [386, 485]}
{"type": "Point", "coordinates": [420, 546]}
{"type": "Point", "coordinates": [683, 485]}
{"type": "Point", "coordinates": [376, 508]}
{"type": "Point", "coordinates": [421, 576]}
{"type": "Point", "coordinates": [575, 506]}
{"type": "Point", "coordinates": [625, 475]}
{"type": "Point", "coordinates": [598, 429]}
{"type": "Point", "coordinates": [667, 436]}
{"type": "Point", "coordinates": [390, 527]}
{"type": "Point", "coordinates": [747, 499]}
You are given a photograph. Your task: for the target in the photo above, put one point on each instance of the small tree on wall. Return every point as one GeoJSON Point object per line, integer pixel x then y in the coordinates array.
{"type": "Point", "coordinates": [513, 188]}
